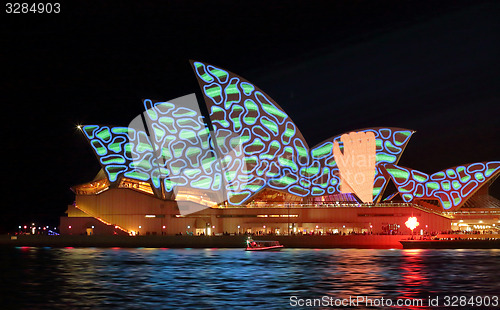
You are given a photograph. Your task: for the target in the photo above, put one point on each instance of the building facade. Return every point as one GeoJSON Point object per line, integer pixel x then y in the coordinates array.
{"type": "Point", "coordinates": [248, 169]}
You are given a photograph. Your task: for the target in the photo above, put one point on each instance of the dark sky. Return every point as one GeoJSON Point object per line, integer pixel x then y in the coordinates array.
{"type": "Point", "coordinates": [333, 66]}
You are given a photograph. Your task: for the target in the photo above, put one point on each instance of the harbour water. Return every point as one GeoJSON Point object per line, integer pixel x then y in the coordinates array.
{"type": "Point", "coordinates": [115, 278]}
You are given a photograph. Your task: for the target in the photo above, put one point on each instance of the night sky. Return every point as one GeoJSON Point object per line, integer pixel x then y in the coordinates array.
{"type": "Point", "coordinates": [430, 66]}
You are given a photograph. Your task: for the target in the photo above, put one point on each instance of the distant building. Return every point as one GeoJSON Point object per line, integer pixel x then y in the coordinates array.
{"type": "Point", "coordinates": [252, 171]}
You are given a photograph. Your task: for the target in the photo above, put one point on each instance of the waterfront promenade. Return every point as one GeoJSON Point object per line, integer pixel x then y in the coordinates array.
{"type": "Point", "coordinates": [224, 241]}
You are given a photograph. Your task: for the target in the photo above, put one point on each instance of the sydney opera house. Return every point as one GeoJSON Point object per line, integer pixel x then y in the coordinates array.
{"type": "Point", "coordinates": [247, 168]}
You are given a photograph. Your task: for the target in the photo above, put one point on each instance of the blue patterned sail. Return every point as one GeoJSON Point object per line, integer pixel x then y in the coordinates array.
{"type": "Point", "coordinates": [452, 186]}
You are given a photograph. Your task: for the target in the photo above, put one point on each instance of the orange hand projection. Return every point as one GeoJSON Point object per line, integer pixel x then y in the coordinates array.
{"type": "Point", "coordinates": [357, 164]}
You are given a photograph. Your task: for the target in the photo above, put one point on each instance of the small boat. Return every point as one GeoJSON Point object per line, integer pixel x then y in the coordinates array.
{"type": "Point", "coordinates": [259, 245]}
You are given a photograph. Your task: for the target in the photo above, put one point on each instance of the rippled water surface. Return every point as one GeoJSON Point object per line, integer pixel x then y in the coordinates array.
{"type": "Point", "coordinates": [49, 278]}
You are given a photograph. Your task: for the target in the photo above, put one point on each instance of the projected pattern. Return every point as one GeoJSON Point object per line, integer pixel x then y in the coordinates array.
{"type": "Point", "coordinates": [390, 143]}
{"type": "Point", "coordinates": [452, 186]}
{"type": "Point", "coordinates": [275, 151]}
{"type": "Point", "coordinates": [258, 146]}
{"type": "Point", "coordinates": [182, 147]}
{"type": "Point", "coordinates": [115, 148]}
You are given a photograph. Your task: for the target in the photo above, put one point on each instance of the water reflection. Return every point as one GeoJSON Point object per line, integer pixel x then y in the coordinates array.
{"type": "Point", "coordinates": [414, 274]}
{"type": "Point", "coordinates": [36, 278]}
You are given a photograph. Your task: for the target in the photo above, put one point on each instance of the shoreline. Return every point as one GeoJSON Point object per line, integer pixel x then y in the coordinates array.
{"type": "Point", "coordinates": [231, 241]}
{"type": "Point", "coordinates": [239, 241]}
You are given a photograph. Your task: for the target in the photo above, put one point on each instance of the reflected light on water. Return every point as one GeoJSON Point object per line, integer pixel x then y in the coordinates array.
{"type": "Point", "coordinates": [414, 277]}
{"type": "Point", "coordinates": [121, 278]}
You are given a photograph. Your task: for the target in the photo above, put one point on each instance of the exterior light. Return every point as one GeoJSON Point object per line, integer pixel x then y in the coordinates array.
{"type": "Point", "coordinates": [316, 226]}
{"type": "Point", "coordinates": [412, 223]}
{"type": "Point", "coordinates": [140, 227]}
{"type": "Point", "coordinates": [189, 226]}
{"type": "Point", "coordinates": [69, 226]}
{"type": "Point", "coordinates": [264, 226]}
{"type": "Point", "coordinates": [93, 227]}
{"type": "Point", "coordinates": [163, 226]}
{"type": "Point", "coordinates": [20, 226]}
{"type": "Point", "coordinates": [480, 221]}
{"type": "Point", "coordinates": [239, 226]}
{"type": "Point", "coordinates": [213, 226]}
